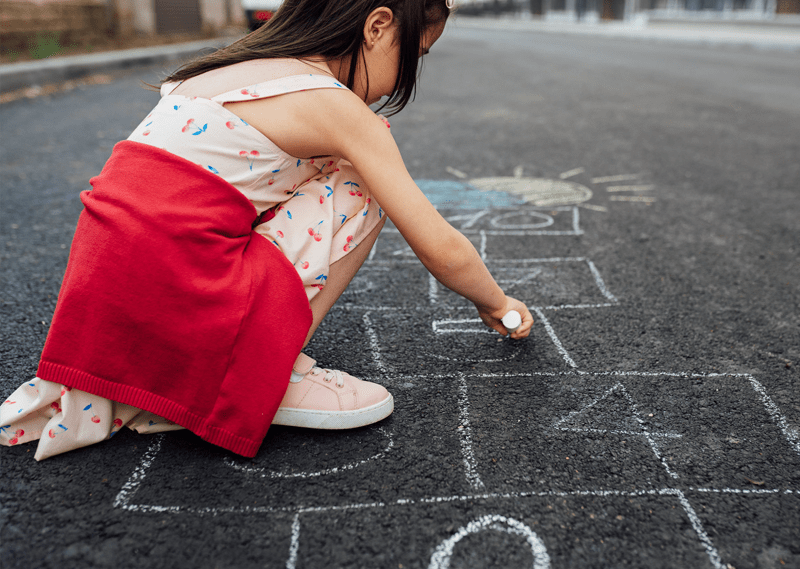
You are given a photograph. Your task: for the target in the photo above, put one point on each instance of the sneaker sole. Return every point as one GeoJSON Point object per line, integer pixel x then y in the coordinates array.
{"type": "Point", "coordinates": [334, 420]}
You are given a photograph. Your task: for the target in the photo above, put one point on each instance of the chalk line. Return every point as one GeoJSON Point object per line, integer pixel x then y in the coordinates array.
{"type": "Point", "coordinates": [576, 217]}
{"type": "Point", "coordinates": [641, 199]}
{"type": "Point", "coordinates": [697, 525]}
{"type": "Point", "coordinates": [599, 282]}
{"type": "Point", "coordinates": [131, 486]}
{"type": "Point", "coordinates": [571, 173]}
{"type": "Point", "coordinates": [294, 544]}
{"type": "Point", "coordinates": [646, 432]}
{"type": "Point", "coordinates": [548, 220]}
{"type": "Point", "coordinates": [585, 408]}
{"type": "Point", "coordinates": [465, 433]}
{"type": "Point", "coordinates": [264, 473]}
{"type": "Point", "coordinates": [645, 188]}
{"type": "Point", "coordinates": [554, 338]}
{"type": "Point", "coordinates": [470, 219]}
{"type": "Point", "coordinates": [433, 289]}
{"type": "Point", "coordinates": [374, 249]}
{"type": "Point", "coordinates": [374, 344]}
{"type": "Point", "coordinates": [792, 435]}
{"type": "Point", "coordinates": [617, 178]}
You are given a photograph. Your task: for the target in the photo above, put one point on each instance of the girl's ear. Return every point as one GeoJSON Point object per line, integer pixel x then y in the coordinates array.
{"type": "Point", "coordinates": [378, 23]}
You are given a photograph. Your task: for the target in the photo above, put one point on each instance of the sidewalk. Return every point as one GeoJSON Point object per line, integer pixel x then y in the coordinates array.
{"type": "Point", "coordinates": [30, 74]}
{"type": "Point", "coordinates": [781, 35]}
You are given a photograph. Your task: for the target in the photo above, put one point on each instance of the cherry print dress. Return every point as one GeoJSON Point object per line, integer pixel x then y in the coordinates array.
{"type": "Point", "coordinates": [314, 210]}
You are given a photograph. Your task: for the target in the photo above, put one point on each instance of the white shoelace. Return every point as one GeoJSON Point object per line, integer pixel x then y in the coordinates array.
{"type": "Point", "coordinates": [329, 375]}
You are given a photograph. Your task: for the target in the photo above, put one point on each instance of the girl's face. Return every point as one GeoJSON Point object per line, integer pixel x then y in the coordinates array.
{"type": "Point", "coordinates": [383, 62]}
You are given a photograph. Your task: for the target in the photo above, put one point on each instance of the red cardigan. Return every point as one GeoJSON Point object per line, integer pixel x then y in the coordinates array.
{"type": "Point", "coordinates": [171, 303]}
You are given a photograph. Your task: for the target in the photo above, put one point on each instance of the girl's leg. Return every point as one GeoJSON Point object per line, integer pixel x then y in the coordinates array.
{"type": "Point", "coordinates": [313, 399]}
{"type": "Point", "coordinates": [340, 275]}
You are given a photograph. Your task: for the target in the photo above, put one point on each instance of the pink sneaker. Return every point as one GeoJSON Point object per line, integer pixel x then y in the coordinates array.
{"type": "Point", "coordinates": [330, 399]}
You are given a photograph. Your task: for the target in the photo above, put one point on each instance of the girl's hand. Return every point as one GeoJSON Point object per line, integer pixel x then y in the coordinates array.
{"type": "Point", "coordinates": [492, 318]}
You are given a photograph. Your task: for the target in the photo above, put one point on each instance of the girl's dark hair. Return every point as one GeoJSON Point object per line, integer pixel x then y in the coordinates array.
{"type": "Point", "coordinates": [331, 29]}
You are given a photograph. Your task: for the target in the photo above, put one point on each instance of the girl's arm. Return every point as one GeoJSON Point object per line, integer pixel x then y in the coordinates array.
{"type": "Point", "coordinates": [364, 140]}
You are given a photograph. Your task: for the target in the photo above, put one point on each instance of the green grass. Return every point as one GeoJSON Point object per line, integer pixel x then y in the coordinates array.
{"type": "Point", "coordinates": [45, 44]}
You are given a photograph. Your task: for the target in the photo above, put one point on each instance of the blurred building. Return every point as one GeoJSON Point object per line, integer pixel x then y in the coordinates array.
{"type": "Point", "coordinates": [85, 21]}
{"type": "Point", "coordinates": [595, 10]}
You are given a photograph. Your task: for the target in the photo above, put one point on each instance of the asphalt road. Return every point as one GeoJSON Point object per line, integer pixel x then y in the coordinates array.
{"type": "Point", "coordinates": [652, 419]}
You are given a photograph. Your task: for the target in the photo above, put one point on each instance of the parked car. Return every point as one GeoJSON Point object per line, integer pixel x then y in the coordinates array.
{"type": "Point", "coordinates": [259, 11]}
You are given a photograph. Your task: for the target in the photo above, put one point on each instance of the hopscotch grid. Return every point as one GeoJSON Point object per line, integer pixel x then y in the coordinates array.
{"type": "Point", "coordinates": [132, 485]}
{"type": "Point", "coordinates": [130, 488]}
{"type": "Point", "coordinates": [125, 498]}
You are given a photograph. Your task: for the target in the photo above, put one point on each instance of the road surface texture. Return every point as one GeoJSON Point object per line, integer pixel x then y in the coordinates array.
{"type": "Point", "coordinates": [641, 197]}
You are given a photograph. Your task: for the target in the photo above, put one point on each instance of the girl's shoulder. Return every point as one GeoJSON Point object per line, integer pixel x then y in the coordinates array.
{"type": "Point", "coordinates": [245, 75]}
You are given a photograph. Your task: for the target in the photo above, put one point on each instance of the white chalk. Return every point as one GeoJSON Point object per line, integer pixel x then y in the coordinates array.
{"type": "Point", "coordinates": [512, 320]}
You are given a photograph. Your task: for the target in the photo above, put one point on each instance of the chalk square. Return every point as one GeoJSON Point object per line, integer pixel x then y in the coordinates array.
{"type": "Point", "coordinates": [301, 468]}
{"type": "Point", "coordinates": [751, 530]}
{"type": "Point", "coordinates": [512, 532]}
{"type": "Point", "coordinates": [543, 283]}
{"type": "Point", "coordinates": [376, 286]}
{"type": "Point", "coordinates": [444, 340]}
{"type": "Point", "coordinates": [560, 432]}
{"type": "Point", "coordinates": [728, 437]}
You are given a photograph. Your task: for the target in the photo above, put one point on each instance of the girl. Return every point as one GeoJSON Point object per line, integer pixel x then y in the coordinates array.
{"type": "Point", "coordinates": [219, 235]}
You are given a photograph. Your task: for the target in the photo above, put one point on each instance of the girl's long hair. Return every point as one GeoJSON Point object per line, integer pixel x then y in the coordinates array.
{"type": "Point", "coordinates": [331, 29]}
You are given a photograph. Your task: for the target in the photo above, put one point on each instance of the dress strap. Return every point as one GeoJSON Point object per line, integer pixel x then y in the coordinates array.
{"type": "Point", "coordinates": [167, 88]}
{"type": "Point", "coordinates": [275, 87]}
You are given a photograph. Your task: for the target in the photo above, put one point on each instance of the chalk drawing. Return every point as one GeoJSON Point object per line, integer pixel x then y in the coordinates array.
{"type": "Point", "coordinates": [500, 220]}
{"type": "Point", "coordinates": [266, 473]}
{"type": "Point", "coordinates": [643, 431]}
{"type": "Point", "coordinates": [442, 554]}
{"type": "Point", "coordinates": [581, 414]}
{"type": "Point", "coordinates": [537, 191]}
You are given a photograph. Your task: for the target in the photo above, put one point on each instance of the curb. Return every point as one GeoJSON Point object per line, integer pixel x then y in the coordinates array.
{"type": "Point", "coordinates": [23, 75]}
